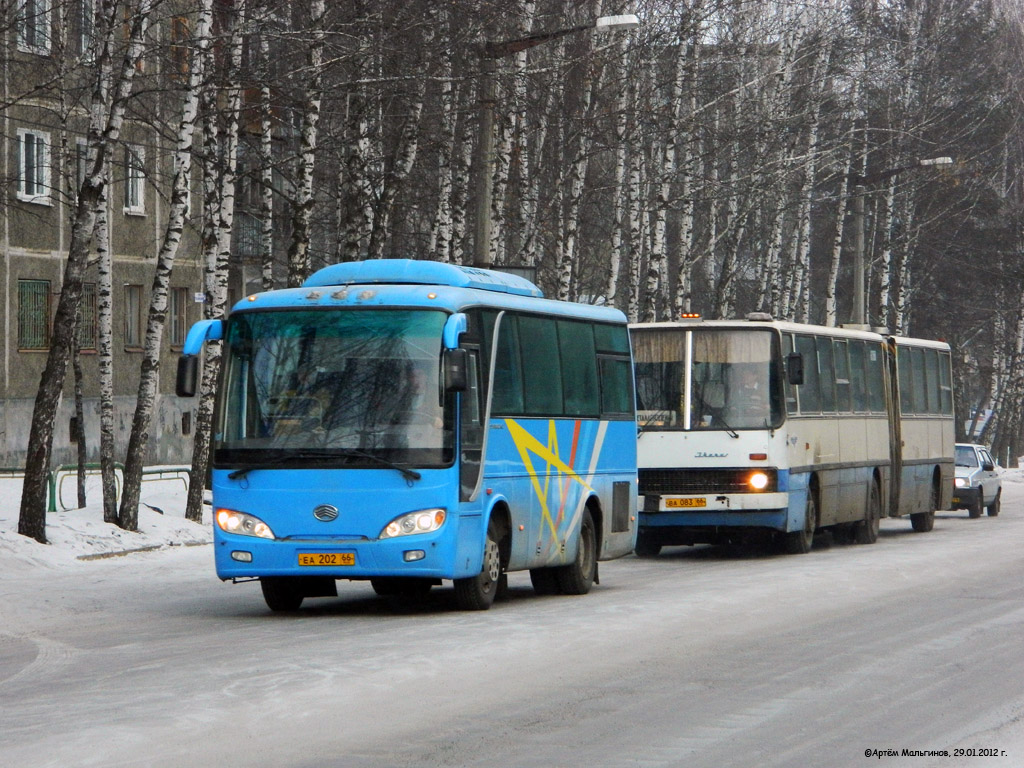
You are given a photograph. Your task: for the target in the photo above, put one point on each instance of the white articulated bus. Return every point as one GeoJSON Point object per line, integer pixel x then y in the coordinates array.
{"type": "Point", "coordinates": [753, 426]}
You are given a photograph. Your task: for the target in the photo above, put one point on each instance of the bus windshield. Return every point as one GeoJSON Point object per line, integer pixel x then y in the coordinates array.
{"type": "Point", "coordinates": [707, 379]}
{"type": "Point", "coordinates": [347, 387]}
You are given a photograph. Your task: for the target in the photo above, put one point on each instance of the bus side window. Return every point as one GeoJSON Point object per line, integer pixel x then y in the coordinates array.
{"type": "Point", "coordinates": [931, 369]}
{"type": "Point", "coordinates": [826, 375]}
{"type": "Point", "coordinates": [471, 428]}
{"type": "Point", "coordinates": [542, 374]}
{"type": "Point", "coordinates": [875, 369]}
{"type": "Point", "coordinates": [945, 385]}
{"type": "Point", "coordinates": [919, 381]}
{"type": "Point", "coordinates": [790, 390]}
{"type": "Point", "coordinates": [858, 390]}
{"type": "Point", "coordinates": [508, 376]}
{"type": "Point", "coordinates": [579, 368]}
{"type": "Point", "coordinates": [906, 373]}
{"type": "Point", "coordinates": [842, 367]}
{"type": "Point", "coordinates": [616, 387]}
{"type": "Point", "coordinates": [810, 391]}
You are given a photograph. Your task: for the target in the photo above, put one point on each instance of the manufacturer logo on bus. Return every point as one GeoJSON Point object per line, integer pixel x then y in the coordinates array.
{"type": "Point", "coordinates": [325, 513]}
{"type": "Point", "coordinates": [706, 455]}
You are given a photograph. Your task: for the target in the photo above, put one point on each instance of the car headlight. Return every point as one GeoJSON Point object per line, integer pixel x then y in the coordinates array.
{"type": "Point", "coordinates": [242, 524]}
{"type": "Point", "coordinates": [960, 482]}
{"type": "Point", "coordinates": [411, 523]}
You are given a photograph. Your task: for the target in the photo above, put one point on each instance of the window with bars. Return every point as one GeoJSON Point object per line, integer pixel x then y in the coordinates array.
{"type": "Point", "coordinates": [33, 166]}
{"type": "Point", "coordinates": [133, 316]}
{"type": "Point", "coordinates": [33, 314]}
{"type": "Point", "coordinates": [134, 176]}
{"type": "Point", "coordinates": [178, 313]}
{"type": "Point", "coordinates": [33, 21]}
{"type": "Point", "coordinates": [88, 321]}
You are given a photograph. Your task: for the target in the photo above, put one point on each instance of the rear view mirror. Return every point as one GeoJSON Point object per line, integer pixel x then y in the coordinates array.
{"type": "Point", "coordinates": [188, 376]}
{"type": "Point", "coordinates": [795, 368]}
{"type": "Point", "coordinates": [455, 376]}
{"type": "Point", "coordinates": [988, 467]}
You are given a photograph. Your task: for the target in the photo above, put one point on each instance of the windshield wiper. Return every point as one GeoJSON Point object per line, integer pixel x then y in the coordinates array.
{"type": "Point", "coordinates": [408, 474]}
{"type": "Point", "coordinates": [277, 461]}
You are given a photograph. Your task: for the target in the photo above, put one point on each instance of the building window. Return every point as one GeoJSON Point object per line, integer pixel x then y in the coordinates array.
{"type": "Point", "coordinates": [88, 320]}
{"type": "Point", "coordinates": [133, 316]}
{"type": "Point", "coordinates": [180, 38]}
{"type": "Point", "coordinates": [34, 26]}
{"type": "Point", "coordinates": [33, 314]}
{"type": "Point", "coordinates": [83, 30]}
{"type": "Point", "coordinates": [178, 311]}
{"type": "Point", "coordinates": [134, 176]}
{"type": "Point", "coordinates": [33, 166]}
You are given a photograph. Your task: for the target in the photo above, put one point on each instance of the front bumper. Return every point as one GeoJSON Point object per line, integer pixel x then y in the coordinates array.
{"type": "Point", "coordinates": [965, 498]}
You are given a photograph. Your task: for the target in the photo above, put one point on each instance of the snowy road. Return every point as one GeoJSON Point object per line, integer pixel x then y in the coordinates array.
{"type": "Point", "coordinates": [696, 658]}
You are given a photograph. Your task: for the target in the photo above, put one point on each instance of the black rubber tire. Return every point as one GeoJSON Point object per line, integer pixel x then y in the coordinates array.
{"type": "Point", "coordinates": [922, 522]}
{"type": "Point", "coordinates": [866, 531]}
{"type": "Point", "coordinates": [974, 511]}
{"type": "Point", "coordinates": [993, 508]}
{"type": "Point", "coordinates": [577, 577]}
{"type": "Point", "coordinates": [800, 542]}
{"type": "Point", "coordinates": [545, 581]}
{"type": "Point", "coordinates": [477, 593]}
{"type": "Point", "coordinates": [647, 545]}
{"type": "Point", "coordinates": [282, 593]}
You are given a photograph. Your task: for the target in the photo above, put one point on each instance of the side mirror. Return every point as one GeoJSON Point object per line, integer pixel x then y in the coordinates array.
{"type": "Point", "coordinates": [456, 378]}
{"type": "Point", "coordinates": [795, 368]}
{"type": "Point", "coordinates": [188, 376]}
{"type": "Point", "coordinates": [988, 467]}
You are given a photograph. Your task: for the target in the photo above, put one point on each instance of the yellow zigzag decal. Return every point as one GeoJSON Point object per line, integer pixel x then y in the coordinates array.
{"type": "Point", "coordinates": [527, 443]}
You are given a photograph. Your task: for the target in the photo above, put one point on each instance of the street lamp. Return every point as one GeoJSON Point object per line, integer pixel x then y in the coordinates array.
{"type": "Point", "coordinates": [858, 312]}
{"type": "Point", "coordinates": [490, 52]}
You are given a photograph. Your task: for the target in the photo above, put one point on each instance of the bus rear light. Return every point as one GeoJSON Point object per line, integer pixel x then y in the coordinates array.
{"type": "Point", "coordinates": [759, 457]}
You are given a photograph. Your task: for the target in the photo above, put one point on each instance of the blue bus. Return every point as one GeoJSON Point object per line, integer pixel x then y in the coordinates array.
{"type": "Point", "coordinates": [406, 422]}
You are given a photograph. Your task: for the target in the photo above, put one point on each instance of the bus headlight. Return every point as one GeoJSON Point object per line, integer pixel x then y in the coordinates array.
{"type": "Point", "coordinates": [242, 524]}
{"type": "Point", "coordinates": [421, 521]}
{"type": "Point", "coordinates": [758, 481]}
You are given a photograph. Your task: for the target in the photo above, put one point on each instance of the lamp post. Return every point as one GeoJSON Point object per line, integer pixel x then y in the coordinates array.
{"type": "Point", "coordinates": [490, 52]}
{"type": "Point", "coordinates": [859, 310]}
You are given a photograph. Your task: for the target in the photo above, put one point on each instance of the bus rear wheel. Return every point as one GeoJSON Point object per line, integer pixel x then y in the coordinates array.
{"type": "Point", "coordinates": [922, 522]}
{"type": "Point", "coordinates": [866, 531]}
{"type": "Point", "coordinates": [577, 577]}
{"type": "Point", "coordinates": [477, 593]}
{"type": "Point", "coordinates": [282, 593]}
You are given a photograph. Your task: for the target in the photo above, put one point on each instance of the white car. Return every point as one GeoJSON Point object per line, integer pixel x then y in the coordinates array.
{"type": "Point", "coordinates": [976, 484]}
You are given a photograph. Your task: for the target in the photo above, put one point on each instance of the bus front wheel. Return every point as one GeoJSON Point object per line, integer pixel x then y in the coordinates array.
{"type": "Point", "coordinates": [476, 593]}
{"type": "Point", "coordinates": [282, 593]}
{"type": "Point", "coordinates": [800, 542]}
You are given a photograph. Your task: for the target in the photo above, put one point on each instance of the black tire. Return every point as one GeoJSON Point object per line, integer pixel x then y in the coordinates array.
{"type": "Point", "coordinates": [800, 542]}
{"type": "Point", "coordinates": [477, 593]}
{"type": "Point", "coordinates": [647, 545]}
{"type": "Point", "coordinates": [545, 581]}
{"type": "Point", "coordinates": [993, 508]}
{"type": "Point", "coordinates": [398, 586]}
{"type": "Point", "coordinates": [577, 577]}
{"type": "Point", "coordinates": [974, 511]}
{"type": "Point", "coordinates": [866, 531]}
{"type": "Point", "coordinates": [282, 593]}
{"type": "Point", "coordinates": [922, 522]}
